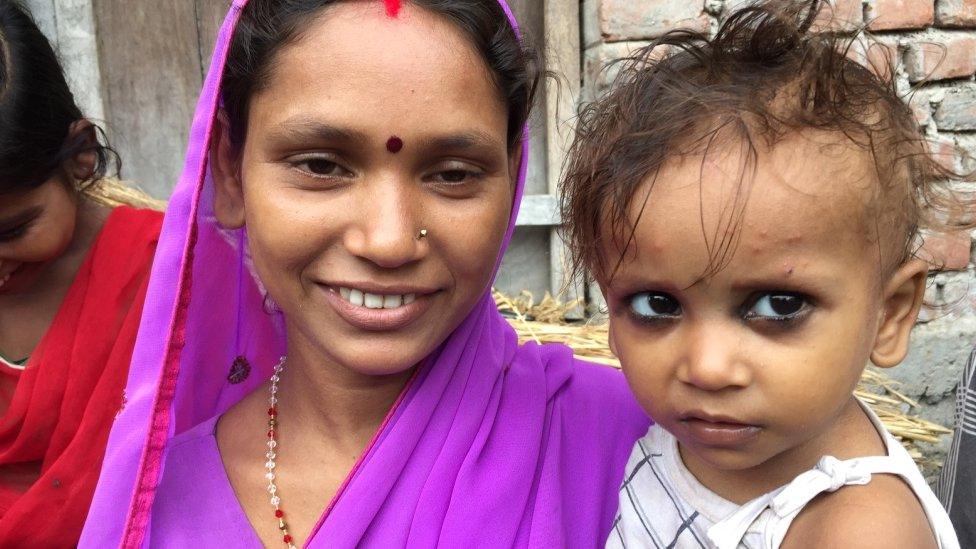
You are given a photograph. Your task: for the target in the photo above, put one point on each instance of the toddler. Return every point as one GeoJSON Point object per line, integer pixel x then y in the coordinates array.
{"type": "Point", "coordinates": [751, 207]}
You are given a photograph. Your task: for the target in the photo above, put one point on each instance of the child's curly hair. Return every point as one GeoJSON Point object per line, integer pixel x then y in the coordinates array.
{"type": "Point", "coordinates": [766, 73]}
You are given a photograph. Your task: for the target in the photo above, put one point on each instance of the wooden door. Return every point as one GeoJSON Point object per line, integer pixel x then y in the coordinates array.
{"type": "Point", "coordinates": [153, 57]}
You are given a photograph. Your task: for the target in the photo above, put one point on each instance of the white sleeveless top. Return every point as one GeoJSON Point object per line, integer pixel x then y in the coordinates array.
{"type": "Point", "coordinates": [663, 505]}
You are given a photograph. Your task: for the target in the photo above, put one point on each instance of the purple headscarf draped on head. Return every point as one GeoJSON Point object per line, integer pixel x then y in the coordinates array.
{"type": "Point", "coordinates": [492, 444]}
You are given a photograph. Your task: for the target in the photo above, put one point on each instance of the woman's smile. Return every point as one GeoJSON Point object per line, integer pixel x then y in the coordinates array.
{"type": "Point", "coordinates": [376, 308]}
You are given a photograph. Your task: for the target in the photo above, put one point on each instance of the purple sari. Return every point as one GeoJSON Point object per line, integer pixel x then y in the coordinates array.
{"type": "Point", "coordinates": [491, 444]}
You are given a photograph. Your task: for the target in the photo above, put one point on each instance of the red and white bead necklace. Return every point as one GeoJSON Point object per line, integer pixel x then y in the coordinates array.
{"type": "Point", "coordinates": [272, 454]}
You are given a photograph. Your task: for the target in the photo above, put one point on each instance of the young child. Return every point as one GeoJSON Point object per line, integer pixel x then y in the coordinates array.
{"type": "Point", "coordinates": [751, 206]}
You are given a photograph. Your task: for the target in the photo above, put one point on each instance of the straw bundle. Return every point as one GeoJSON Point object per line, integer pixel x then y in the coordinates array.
{"type": "Point", "coordinates": [114, 193]}
{"type": "Point", "coordinates": [543, 323]}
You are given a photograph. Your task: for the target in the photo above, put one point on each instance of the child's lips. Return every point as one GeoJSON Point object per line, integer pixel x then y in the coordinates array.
{"type": "Point", "coordinates": [719, 431]}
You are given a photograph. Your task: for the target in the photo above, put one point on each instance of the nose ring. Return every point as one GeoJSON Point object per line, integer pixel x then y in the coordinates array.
{"type": "Point", "coordinates": [422, 235]}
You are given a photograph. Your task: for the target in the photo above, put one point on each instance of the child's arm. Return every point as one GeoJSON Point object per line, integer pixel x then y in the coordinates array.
{"type": "Point", "coordinates": [883, 513]}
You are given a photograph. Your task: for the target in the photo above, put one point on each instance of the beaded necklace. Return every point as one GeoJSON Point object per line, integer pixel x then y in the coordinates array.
{"type": "Point", "coordinates": [272, 455]}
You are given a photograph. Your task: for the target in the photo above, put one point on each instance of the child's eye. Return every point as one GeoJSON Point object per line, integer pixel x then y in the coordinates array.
{"type": "Point", "coordinates": [653, 305]}
{"type": "Point", "coordinates": [777, 306]}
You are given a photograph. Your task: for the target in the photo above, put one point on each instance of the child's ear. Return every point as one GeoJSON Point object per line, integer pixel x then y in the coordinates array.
{"type": "Point", "coordinates": [903, 297]}
{"type": "Point", "coordinates": [226, 173]}
{"type": "Point", "coordinates": [81, 166]}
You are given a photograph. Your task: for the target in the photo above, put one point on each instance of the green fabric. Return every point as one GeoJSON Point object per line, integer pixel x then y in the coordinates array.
{"type": "Point", "coordinates": [17, 363]}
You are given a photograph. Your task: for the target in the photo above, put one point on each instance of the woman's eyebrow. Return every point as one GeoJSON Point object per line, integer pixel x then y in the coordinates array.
{"type": "Point", "coordinates": [463, 141]}
{"type": "Point", "coordinates": [19, 218]}
{"type": "Point", "coordinates": [301, 127]}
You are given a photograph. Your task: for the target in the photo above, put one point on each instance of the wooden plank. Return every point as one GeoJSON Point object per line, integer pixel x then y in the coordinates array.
{"type": "Point", "coordinates": [538, 210]}
{"type": "Point", "coordinates": [562, 33]}
{"type": "Point", "coordinates": [210, 15]}
{"type": "Point", "coordinates": [150, 61]}
{"type": "Point", "coordinates": [78, 50]}
{"type": "Point", "coordinates": [531, 17]}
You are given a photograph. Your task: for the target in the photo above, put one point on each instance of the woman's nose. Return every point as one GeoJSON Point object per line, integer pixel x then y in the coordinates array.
{"type": "Point", "coordinates": [714, 360]}
{"type": "Point", "coordinates": [388, 230]}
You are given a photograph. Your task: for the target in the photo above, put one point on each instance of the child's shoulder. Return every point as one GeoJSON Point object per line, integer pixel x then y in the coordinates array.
{"type": "Point", "coordinates": [883, 513]}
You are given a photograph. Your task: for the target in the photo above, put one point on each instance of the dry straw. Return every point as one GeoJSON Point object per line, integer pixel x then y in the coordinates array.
{"type": "Point", "coordinates": [544, 322]}
{"type": "Point", "coordinates": [113, 193]}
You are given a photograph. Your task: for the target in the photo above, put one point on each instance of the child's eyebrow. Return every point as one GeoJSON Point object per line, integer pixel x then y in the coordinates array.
{"type": "Point", "coordinates": [811, 279]}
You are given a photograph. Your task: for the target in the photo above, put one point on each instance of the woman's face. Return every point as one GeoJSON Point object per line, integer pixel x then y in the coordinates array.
{"type": "Point", "coordinates": [36, 227]}
{"type": "Point", "coordinates": [369, 130]}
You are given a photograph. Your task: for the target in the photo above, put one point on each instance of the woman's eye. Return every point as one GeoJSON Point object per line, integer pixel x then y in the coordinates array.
{"type": "Point", "coordinates": [455, 173]}
{"type": "Point", "coordinates": [454, 176]}
{"type": "Point", "coordinates": [778, 306]}
{"type": "Point", "coordinates": [650, 305]}
{"type": "Point", "coordinates": [320, 167]}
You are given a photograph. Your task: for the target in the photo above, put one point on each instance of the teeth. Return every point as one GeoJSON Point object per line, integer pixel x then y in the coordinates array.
{"type": "Point", "coordinates": [4, 280]}
{"type": "Point", "coordinates": [356, 297]}
{"type": "Point", "coordinates": [375, 301]}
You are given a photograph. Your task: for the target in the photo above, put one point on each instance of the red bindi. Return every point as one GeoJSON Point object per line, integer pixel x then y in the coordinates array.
{"type": "Point", "coordinates": [392, 7]}
{"type": "Point", "coordinates": [394, 144]}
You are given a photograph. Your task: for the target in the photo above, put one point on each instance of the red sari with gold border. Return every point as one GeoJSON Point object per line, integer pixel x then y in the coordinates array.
{"type": "Point", "coordinates": [65, 400]}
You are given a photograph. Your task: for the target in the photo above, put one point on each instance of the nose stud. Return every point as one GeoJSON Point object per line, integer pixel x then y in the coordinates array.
{"type": "Point", "coordinates": [422, 235]}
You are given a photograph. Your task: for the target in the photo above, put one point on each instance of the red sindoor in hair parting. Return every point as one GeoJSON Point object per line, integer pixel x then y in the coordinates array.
{"type": "Point", "coordinates": [392, 7]}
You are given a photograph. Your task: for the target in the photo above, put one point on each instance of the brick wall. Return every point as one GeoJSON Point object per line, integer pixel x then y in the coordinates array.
{"type": "Point", "coordinates": [933, 44]}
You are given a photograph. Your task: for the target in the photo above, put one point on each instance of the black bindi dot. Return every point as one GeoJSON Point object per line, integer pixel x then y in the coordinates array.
{"type": "Point", "coordinates": [394, 144]}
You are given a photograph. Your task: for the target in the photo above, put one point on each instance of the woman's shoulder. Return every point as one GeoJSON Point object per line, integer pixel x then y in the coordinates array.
{"type": "Point", "coordinates": [192, 461]}
{"type": "Point", "coordinates": [194, 484]}
{"type": "Point", "coordinates": [598, 394]}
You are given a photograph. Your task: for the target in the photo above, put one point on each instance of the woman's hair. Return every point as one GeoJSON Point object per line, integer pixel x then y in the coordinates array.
{"type": "Point", "coordinates": [36, 108]}
{"type": "Point", "coordinates": [766, 73]}
{"type": "Point", "coordinates": [266, 26]}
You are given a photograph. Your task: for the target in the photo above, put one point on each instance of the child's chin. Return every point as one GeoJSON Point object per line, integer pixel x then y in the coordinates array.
{"type": "Point", "coordinates": [724, 459]}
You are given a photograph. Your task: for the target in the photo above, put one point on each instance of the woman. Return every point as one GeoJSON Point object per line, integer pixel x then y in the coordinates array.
{"type": "Point", "coordinates": [354, 175]}
{"type": "Point", "coordinates": [73, 276]}
{"type": "Point", "coordinates": [957, 483]}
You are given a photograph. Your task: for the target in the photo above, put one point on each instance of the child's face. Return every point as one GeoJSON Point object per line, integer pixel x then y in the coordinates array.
{"type": "Point", "coordinates": [763, 356]}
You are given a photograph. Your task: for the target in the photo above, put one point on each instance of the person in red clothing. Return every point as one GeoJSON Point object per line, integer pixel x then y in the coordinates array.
{"type": "Point", "coordinates": [73, 277]}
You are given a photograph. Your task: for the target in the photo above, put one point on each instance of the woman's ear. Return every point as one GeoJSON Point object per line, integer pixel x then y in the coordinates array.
{"type": "Point", "coordinates": [81, 167]}
{"type": "Point", "coordinates": [903, 296]}
{"type": "Point", "coordinates": [515, 164]}
{"type": "Point", "coordinates": [225, 170]}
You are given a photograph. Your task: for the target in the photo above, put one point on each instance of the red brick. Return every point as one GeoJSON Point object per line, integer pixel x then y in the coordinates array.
{"type": "Point", "coordinates": [619, 20]}
{"type": "Point", "coordinates": [878, 55]}
{"type": "Point", "coordinates": [945, 152]}
{"type": "Point", "coordinates": [955, 13]}
{"type": "Point", "coordinates": [951, 252]}
{"type": "Point", "coordinates": [844, 16]}
{"type": "Point", "coordinates": [921, 108]}
{"type": "Point", "coordinates": [957, 111]}
{"type": "Point", "coordinates": [900, 14]}
{"type": "Point", "coordinates": [953, 57]}
{"type": "Point", "coordinates": [599, 68]}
